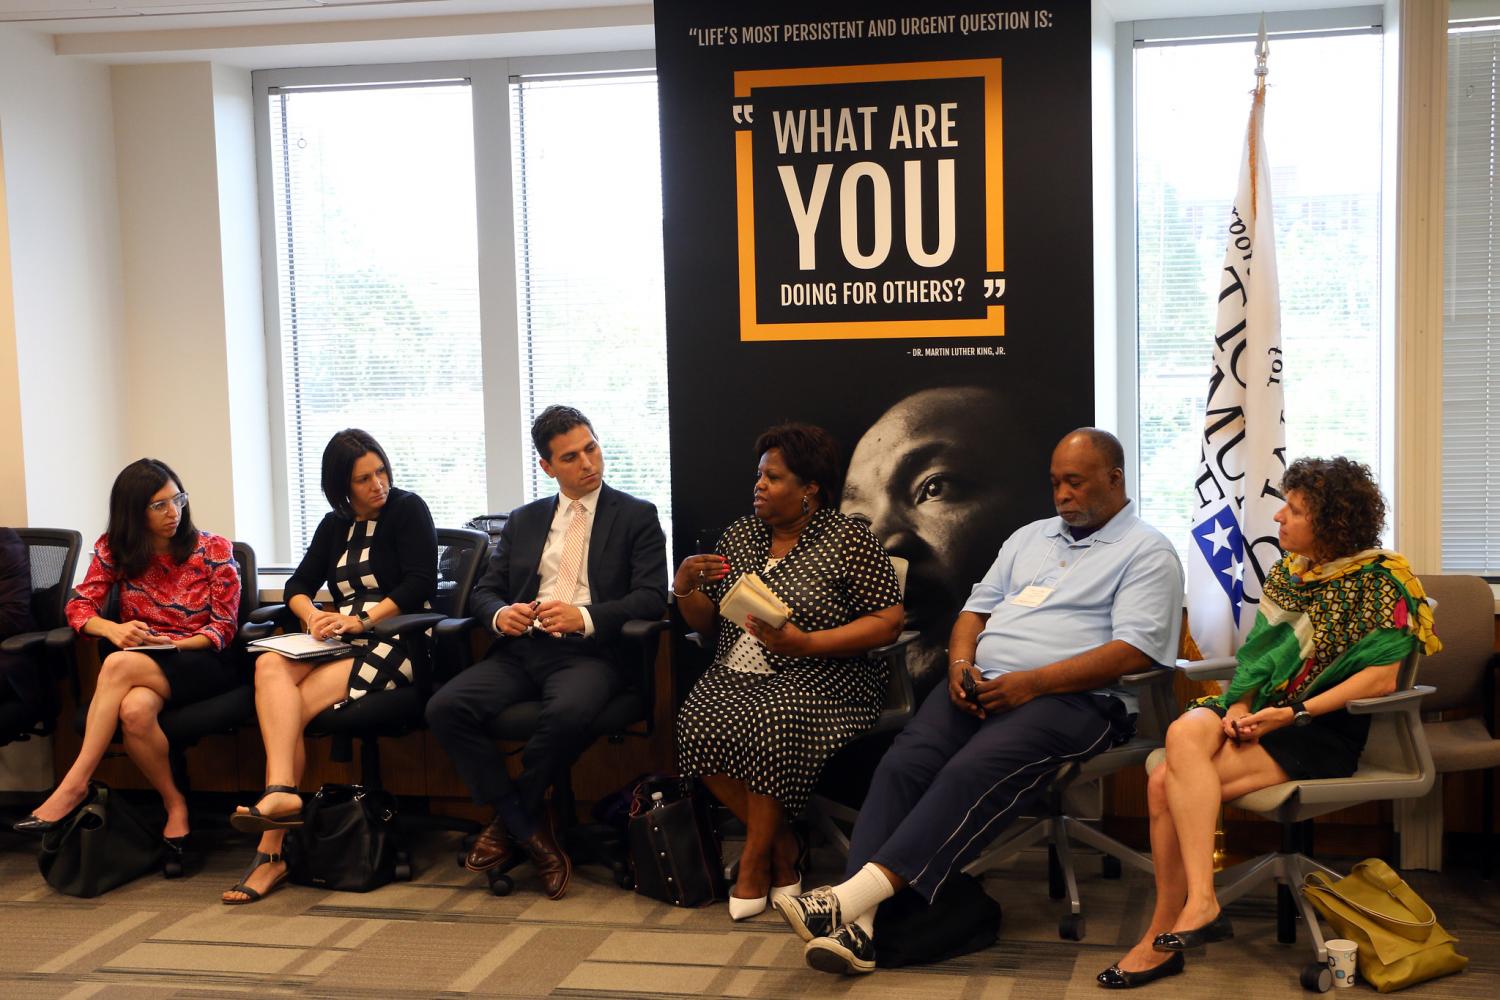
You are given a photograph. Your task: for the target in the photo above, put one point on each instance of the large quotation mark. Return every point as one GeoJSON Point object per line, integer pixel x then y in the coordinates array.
{"type": "Point", "coordinates": [744, 114]}
{"type": "Point", "coordinates": [994, 288]}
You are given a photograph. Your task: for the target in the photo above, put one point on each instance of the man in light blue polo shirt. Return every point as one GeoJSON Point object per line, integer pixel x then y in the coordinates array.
{"type": "Point", "coordinates": [1071, 604]}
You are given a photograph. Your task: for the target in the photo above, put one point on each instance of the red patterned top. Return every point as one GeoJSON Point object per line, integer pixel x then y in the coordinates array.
{"type": "Point", "coordinates": [201, 596]}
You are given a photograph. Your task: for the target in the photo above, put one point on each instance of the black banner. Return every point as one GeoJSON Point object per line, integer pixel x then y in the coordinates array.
{"type": "Point", "coordinates": [878, 219]}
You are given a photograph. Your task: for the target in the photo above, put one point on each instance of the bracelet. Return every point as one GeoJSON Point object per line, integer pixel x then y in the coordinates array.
{"type": "Point", "coordinates": [687, 594]}
{"type": "Point", "coordinates": [954, 663]}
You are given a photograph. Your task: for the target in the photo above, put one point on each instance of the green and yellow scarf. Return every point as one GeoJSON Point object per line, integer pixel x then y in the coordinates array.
{"type": "Point", "coordinates": [1318, 625]}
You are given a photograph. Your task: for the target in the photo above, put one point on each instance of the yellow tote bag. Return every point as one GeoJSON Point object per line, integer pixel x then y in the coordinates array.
{"type": "Point", "coordinates": [1400, 941]}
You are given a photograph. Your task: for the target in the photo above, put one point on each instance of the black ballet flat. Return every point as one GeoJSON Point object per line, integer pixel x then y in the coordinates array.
{"type": "Point", "coordinates": [1115, 978]}
{"type": "Point", "coordinates": [33, 825]}
{"type": "Point", "coordinates": [1217, 929]}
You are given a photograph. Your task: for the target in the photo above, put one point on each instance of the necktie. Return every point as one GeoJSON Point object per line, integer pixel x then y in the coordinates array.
{"type": "Point", "coordinates": [574, 542]}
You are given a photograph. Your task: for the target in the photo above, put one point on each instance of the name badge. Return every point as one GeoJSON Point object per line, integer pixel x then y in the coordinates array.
{"type": "Point", "coordinates": [1032, 596]}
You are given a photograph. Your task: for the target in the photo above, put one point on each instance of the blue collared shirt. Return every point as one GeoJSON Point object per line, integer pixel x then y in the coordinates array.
{"type": "Point", "coordinates": [1124, 582]}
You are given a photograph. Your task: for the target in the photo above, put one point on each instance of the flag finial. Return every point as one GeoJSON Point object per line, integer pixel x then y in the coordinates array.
{"type": "Point", "coordinates": [1262, 50]}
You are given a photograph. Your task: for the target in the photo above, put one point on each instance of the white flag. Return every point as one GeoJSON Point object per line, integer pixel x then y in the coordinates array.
{"type": "Point", "coordinates": [1238, 486]}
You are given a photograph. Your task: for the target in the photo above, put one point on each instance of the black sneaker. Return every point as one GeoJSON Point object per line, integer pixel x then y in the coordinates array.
{"type": "Point", "coordinates": [812, 914]}
{"type": "Point", "coordinates": [847, 951]}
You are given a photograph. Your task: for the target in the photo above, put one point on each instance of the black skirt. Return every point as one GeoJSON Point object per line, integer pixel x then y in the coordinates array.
{"type": "Point", "coordinates": [194, 674]}
{"type": "Point", "coordinates": [1327, 747]}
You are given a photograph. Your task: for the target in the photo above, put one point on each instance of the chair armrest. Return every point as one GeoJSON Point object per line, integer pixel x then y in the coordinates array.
{"type": "Point", "coordinates": [61, 639]}
{"type": "Point", "coordinates": [251, 631]}
{"type": "Point", "coordinates": [1396, 702]}
{"type": "Point", "coordinates": [417, 621]}
{"type": "Point", "coordinates": [696, 638]}
{"type": "Point", "coordinates": [641, 629]}
{"type": "Point", "coordinates": [267, 614]}
{"type": "Point", "coordinates": [1216, 668]}
{"type": "Point", "coordinates": [1158, 675]}
{"type": "Point", "coordinates": [454, 628]}
{"type": "Point", "coordinates": [891, 649]}
{"type": "Point", "coordinates": [23, 642]}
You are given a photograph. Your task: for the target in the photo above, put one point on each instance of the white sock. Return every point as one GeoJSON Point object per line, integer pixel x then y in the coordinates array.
{"type": "Point", "coordinates": [866, 922]}
{"type": "Point", "coordinates": [862, 893]}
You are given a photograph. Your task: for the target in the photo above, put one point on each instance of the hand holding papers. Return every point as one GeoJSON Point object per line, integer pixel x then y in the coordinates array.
{"type": "Point", "coordinates": [750, 596]}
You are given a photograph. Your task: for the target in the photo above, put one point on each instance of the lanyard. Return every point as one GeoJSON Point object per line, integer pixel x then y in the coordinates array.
{"type": "Point", "coordinates": [1048, 558]}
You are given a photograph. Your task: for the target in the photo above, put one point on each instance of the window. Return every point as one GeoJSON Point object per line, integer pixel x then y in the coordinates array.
{"type": "Point", "coordinates": [1323, 136]}
{"type": "Point", "coordinates": [587, 180]}
{"type": "Point", "coordinates": [372, 192]}
{"type": "Point", "coordinates": [1471, 305]}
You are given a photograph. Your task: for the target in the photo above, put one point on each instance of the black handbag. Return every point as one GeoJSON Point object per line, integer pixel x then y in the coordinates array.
{"type": "Point", "coordinates": [961, 918]}
{"type": "Point", "coordinates": [673, 849]}
{"type": "Point", "coordinates": [346, 840]}
{"type": "Point", "coordinates": [103, 844]}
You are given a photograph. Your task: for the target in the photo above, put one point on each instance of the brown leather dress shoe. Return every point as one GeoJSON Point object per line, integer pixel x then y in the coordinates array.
{"type": "Point", "coordinates": [494, 846]}
{"type": "Point", "coordinates": [548, 857]}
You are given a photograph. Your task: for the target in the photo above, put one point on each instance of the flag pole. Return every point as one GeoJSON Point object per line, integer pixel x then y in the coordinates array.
{"type": "Point", "coordinates": [1262, 52]}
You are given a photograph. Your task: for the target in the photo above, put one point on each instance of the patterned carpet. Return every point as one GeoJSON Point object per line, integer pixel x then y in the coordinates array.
{"type": "Point", "coordinates": [443, 935]}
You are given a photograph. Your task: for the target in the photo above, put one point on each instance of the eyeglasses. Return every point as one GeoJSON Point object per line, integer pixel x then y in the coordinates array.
{"type": "Point", "coordinates": [160, 506]}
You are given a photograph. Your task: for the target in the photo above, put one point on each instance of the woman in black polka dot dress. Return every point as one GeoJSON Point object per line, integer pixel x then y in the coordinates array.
{"type": "Point", "coordinates": [777, 702]}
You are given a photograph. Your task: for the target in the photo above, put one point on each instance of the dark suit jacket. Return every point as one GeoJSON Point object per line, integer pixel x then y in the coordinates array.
{"type": "Point", "coordinates": [627, 563]}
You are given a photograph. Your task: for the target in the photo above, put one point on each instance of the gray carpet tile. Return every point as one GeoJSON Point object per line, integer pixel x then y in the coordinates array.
{"type": "Point", "coordinates": [444, 935]}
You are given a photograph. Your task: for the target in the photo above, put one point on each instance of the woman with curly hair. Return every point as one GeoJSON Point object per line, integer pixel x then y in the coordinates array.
{"type": "Point", "coordinates": [1337, 616]}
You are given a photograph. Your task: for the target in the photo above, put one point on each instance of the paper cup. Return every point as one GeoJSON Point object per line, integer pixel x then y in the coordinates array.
{"type": "Point", "coordinates": [1341, 956]}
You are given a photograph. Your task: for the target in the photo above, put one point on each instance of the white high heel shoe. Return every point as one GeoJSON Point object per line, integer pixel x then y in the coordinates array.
{"type": "Point", "coordinates": [795, 889]}
{"type": "Point", "coordinates": [744, 909]}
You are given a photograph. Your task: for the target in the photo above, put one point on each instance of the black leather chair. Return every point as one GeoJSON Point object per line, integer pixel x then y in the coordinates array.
{"type": "Point", "coordinates": [184, 726]}
{"type": "Point", "coordinates": [632, 712]}
{"type": "Point", "coordinates": [54, 559]}
{"type": "Point", "coordinates": [392, 714]}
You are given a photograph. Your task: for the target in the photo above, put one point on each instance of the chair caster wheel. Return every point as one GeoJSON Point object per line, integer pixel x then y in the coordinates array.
{"type": "Point", "coordinates": [501, 885]}
{"type": "Point", "coordinates": [172, 868]}
{"type": "Point", "coordinates": [1071, 927]}
{"type": "Point", "coordinates": [402, 872]}
{"type": "Point", "coordinates": [1111, 866]}
{"type": "Point", "coordinates": [1317, 978]}
{"type": "Point", "coordinates": [625, 880]}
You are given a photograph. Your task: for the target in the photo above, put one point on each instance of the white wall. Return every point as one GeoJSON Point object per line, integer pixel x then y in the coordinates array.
{"type": "Point", "coordinates": [244, 326]}
{"type": "Point", "coordinates": [66, 333]}
{"type": "Point", "coordinates": [195, 365]}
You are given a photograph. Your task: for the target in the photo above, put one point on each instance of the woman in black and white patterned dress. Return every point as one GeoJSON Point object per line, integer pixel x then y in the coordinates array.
{"type": "Point", "coordinates": [377, 551]}
{"type": "Point", "coordinates": [778, 702]}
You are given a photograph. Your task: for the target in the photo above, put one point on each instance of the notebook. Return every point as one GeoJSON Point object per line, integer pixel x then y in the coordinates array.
{"type": "Point", "coordinates": [301, 646]}
{"type": "Point", "coordinates": [748, 596]}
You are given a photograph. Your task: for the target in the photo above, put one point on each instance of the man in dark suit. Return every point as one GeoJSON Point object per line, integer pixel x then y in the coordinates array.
{"type": "Point", "coordinates": [567, 573]}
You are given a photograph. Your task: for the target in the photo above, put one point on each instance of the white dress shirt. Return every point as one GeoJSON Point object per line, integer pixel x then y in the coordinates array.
{"type": "Point", "coordinates": [552, 556]}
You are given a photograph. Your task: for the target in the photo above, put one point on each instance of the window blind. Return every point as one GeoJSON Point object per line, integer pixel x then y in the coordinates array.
{"type": "Point", "coordinates": [1191, 103]}
{"type": "Point", "coordinates": [1471, 308]}
{"type": "Point", "coordinates": [587, 183]}
{"type": "Point", "coordinates": [376, 270]}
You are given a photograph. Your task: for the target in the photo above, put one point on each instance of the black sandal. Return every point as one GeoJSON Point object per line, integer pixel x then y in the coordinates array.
{"type": "Point", "coordinates": [254, 821]}
{"type": "Point", "coordinates": [254, 896]}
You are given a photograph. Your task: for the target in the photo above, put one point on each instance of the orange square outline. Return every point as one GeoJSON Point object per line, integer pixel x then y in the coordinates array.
{"type": "Point", "coordinates": [992, 324]}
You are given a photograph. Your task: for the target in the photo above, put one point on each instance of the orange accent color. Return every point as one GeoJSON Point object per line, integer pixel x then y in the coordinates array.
{"type": "Point", "coordinates": [992, 324]}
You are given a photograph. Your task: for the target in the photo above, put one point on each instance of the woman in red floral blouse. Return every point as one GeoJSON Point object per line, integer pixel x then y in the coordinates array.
{"type": "Point", "coordinates": [179, 591]}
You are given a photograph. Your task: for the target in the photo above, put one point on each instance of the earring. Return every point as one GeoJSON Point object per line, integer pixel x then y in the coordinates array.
{"type": "Point", "coordinates": [806, 507]}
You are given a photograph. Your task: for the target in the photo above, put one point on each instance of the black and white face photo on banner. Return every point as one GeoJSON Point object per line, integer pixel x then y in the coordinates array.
{"type": "Point", "coordinates": [878, 220]}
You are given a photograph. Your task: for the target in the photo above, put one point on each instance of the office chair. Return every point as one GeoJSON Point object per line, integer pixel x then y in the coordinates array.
{"type": "Point", "coordinates": [1463, 673]}
{"type": "Point", "coordinates": [1396, 764]}
{"type": "Point", "coordinates": [1059, 830]}
{"type": "Point", "coordinates": [632, 712]}
{"type": "Point", "coordinates": [53, 553]}
{"type": "Point", "coordinates": [185, 725]}
{"type": "Point", "coordinates": [395, 713]}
